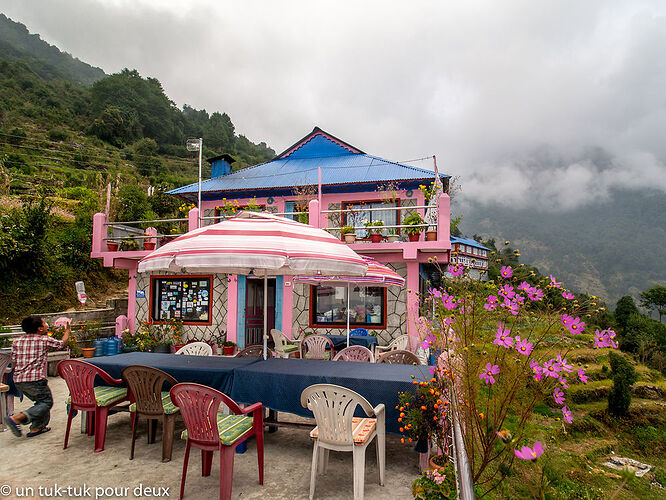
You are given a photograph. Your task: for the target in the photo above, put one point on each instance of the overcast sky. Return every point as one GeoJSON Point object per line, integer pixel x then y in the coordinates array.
{"type": "Point", "coordinates": [533, 103]}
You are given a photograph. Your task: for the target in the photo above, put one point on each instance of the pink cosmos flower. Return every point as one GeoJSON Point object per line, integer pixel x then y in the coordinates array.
{"type": "Point", "coordinates": [432, 370]}
{"type": "Point", "coordinates": [566, 320]}
{"type": "Point", "coordinates": [605, 339]}
{"type": "Point", "coordinates": [535, 294]}
{"type": "Point", "coordinates": [527, 453]}
{"type": "Point", "coordinates": [428, 341]}
{"type": "Point", "coordinates": [563, 382]}
{"type": "Point", "coordinates": [581, 376]}
{"type": "Point", "coordinates": [576, 326]}
{"type": "Point", "coordinates": [502, 336]}
{"type": "Point", "coordinates": [563, 363]}
{"type": "Point", "coordinates": [568, 295]}
{"type": "Point", "coordinates": [554, 283]}
{"type": "Point", "coordinates": [506, 291]}
{"type": "Point", "coordinates": [552, 369]}
{"type": "Point", "coordinates": [523, 346]}
{"type": "Point", "coordinates": [511, 306]}
{"type": "Point", "coordinates": [506, 272]}
{"type": "Point", "coordinates": [536, 368]}
{"type": "Point", "coordinates": [449, 302]}
{"type": "Point", "coordinates": [491, 303]}
{"type": "Point", "coordinates": [524, 286]}
{"type": "Point", "coordinates": [558, 395]}
{"type": "Point", "coordinates": [567, 415]}
{"type": "Point", "coordinates": [456, 270]}
{"type": "Point", "coordinates": [488, 373]}
{"type": "Point", "coordinates": [435, 293]}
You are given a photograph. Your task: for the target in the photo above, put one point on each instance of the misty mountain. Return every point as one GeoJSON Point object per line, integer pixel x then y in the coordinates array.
{"type": "Point", "coordinates": [16, 43]}
{"type": "Point", "coordinates": [607, 248]}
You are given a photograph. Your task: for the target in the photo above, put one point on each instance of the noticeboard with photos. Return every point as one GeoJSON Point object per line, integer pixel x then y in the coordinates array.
{"type": "Point", "coordinates": [185, 298]}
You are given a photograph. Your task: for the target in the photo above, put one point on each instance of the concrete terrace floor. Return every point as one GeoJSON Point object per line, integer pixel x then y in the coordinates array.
{"type": "Point", "coordinates": [41, 461]}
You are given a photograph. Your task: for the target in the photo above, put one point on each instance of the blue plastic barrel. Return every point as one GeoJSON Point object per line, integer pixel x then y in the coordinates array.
{"type": "Point", "coordinates": [111, 346]}
{"type": "Point", "coordinates": [99, 347]}
{"type": "Point", "coordinates": [120, 345]}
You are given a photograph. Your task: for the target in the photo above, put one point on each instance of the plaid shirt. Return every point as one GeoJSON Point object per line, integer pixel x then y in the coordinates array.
{"type": "Point", "coordinates": [29, 356]}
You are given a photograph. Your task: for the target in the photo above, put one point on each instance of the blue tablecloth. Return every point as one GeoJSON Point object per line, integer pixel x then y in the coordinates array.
{"type": "Point", "coordinates": [214, 371]}
{"type": "Point", "coordinates": [340, 341]}
{"type": "Point", "coordinates": [278, 383]}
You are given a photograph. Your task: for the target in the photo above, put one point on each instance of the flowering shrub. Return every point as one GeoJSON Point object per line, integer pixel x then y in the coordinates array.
{"type": "Point", "coordinates": [502, 349]}
{"type": "Point", "coordinates": [228, 208]}
{"type": "Point", "coordinates": [423, 414]}
{"type": "Point", "coordinates": [435, 484]}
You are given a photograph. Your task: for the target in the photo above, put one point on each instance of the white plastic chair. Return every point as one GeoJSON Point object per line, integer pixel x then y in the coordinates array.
{"type": "Point", "coordinates": [355, 353]}
{"type": "Point", "coordinates": [314, 347]}
{"type": "Point", "coordinates": [283, 346]}
{"type": "Point", "coordinates": [196, 349]}
{"type": "Point", "coordinates": [338, 430]}
{"type": "Point", "coordinates": [398, 343]}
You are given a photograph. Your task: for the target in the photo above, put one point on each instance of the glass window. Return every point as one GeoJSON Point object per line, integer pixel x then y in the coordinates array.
{"type": "Point", "coordinates": [187, 298]}
{"type": "Point", "coordinates": [360, 215]}
{"type": "Point", "coordinates": [366, 306]}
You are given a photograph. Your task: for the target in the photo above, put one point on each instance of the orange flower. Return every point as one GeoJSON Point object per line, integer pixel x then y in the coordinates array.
{"type": "Point", "coordinates": [402, 429]}
{"type": "Point", "coordinates": [402, 440]}
{"type": "Point", "coordinates": [424, 408]}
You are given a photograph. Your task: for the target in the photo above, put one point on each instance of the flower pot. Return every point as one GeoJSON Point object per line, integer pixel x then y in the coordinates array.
{"type": "Point", "coordinates": [438, 462]}
{"type": "Point", "coordinates": [376, 237]}
{"type": "Point", "coordinates": [177, 347]}
{"type": "Point", "coordinates": [350, 237]}
{"type": "Point", "coordinates": [112, 246]}
{"type": "Point", "coordinates": [414, 237]}
{"type": "Point", "coordinates": [88, 352]}
{"type": "Point", "coordinates": [392, 238]}
{"type": "Point", "coordinates": [431, 236]}
{"type": "Point", "coordinates": [228, 350]}
{"type": "Point", "coordinates": [149, 245]}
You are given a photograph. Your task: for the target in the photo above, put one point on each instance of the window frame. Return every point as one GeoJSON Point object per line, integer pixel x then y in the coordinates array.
{"type": "Point", "coordinates": [345, 205]}
{"type": "Point", "coordinates": [174, 277]}
{"type": "Point", "coordinates": [368, 326]}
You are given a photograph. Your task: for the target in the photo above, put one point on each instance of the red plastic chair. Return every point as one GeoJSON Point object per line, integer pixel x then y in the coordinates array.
{"type": "Point", "coordinates": [199, 405]}
{"type": "Point", "coordinates": [84, 396]}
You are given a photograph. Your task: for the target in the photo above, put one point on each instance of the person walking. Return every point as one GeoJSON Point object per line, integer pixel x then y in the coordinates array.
{"type": "Point", "coordinates": [29, 363]}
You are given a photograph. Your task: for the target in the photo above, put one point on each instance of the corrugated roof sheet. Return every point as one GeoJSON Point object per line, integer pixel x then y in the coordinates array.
{"type": "Point", "coordinates": [300, 165]}
{"type": "Point", "coordinates": [467, 241]}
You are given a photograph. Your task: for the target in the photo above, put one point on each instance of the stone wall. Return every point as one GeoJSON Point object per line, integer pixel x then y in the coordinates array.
{"type": "Point", "coordinates": [396, 304]}
{"type": "Point", "coordinates": [219, 307]}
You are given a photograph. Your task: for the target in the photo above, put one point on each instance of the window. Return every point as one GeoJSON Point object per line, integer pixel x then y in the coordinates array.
{"type": "Point", "coordinates": [367, 306]}
{"type": "Point", "coordinates": [188, 298]}
{"type": "Point", "coordinates": [360, 215]}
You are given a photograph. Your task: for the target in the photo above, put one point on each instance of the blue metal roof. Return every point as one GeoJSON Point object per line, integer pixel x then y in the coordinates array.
{"type": "Point", "coordinates": [340, 163]}
{"type": "Point", "coordinates": [465, 241]}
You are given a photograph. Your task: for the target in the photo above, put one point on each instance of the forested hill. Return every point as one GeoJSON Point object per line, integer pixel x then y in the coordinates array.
{"type": "Point", "coordinates": [610, 249]}
{"type": "Point", "coordinates": [46, 60]}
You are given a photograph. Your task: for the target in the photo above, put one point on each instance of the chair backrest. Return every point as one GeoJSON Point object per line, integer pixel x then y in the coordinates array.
{"type": "Point", "coordinates": [400, 342]}
{"type": "Point", "coordinates": [146, 385]}
{"type": "Point", "coordinates": [279, 339]}
{"type": "Point", "coordinates": [355, 353]}
{"type": "Point", "coordinates": [5, 361]}
{"type": "Point", "coordinates": [80, 379]}
{"type": "Point", "coordinates": [315, 346]}
{"type": "Point", "coordinates": [358, 332]}
{"type": "Point", "coordinates": [196, 349]}
{"type": "Point", "coordinates": [254, 351]}
{"type": "Point", "coordinates": [333, 408]}
{"type": "Point", "coordinates": [199, 406]}
{"type": "Point", "coordinates": [399, 357]}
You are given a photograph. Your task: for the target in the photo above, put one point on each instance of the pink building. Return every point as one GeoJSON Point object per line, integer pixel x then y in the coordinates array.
{"type": "Point", "coordinates": [355, 187]}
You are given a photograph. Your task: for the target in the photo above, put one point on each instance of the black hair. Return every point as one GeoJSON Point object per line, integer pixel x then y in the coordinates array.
{"type": "Point", "coordinates": [31, 324]}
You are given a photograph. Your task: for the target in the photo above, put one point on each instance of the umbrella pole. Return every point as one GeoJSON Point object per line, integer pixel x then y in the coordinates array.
{"type": "Point", "coordinates": [348, 314]}
{"type": "Point", "coordinates": [265, 314]}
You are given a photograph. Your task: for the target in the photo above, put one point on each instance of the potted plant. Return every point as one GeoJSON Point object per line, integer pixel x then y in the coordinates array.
{"type": "Point", "coordinates": [416, 221]}
{"type": "Point", "coordinates": [228, 347]}
{"type": "Point", "coordinates": [392, 235]}
{"type": "Point", "coordinates": [148, 244]}
{"type": "Point", "coordinates": [437, 483]}
{"type": "Point", "coordinates": [112, 245]}
{"type": "Point", "coordinates": [375, 232]}
{"type": "Point", "coordinates": [131, 245]}
{"type": "Point", "coordinates": [431, 235]}
{"type": "Point", "coordinates": [348, 234]}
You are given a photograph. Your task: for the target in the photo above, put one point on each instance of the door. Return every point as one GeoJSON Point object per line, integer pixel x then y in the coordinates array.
{"type": "Point", "coordinates": [254, 309]}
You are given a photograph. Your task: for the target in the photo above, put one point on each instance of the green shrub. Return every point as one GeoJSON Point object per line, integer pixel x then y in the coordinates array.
{"type": "Point", "coordinates": [624, 375]}
{"type": "Point", "coordinates": [58, 134]}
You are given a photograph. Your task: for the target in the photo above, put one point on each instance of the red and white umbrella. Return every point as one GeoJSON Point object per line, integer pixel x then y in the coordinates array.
{"type": "Point", "coordinates": [377, 275]}
{"type": "Point", "coordinates": [252, 242]}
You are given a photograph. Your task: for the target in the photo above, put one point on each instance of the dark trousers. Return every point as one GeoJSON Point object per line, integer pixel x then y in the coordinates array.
{"type": "Point", "coordinates": [39, 392]}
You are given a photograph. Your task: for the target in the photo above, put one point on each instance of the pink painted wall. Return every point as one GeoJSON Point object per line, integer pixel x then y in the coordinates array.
{"type": "Point", "coordinates": [232, 307]}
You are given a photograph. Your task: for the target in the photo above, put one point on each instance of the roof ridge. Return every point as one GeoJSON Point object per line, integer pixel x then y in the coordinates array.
{"type": "Point", "coordinates": [417, 169]}
{"type": "Point", "coordinates": [309, 137]}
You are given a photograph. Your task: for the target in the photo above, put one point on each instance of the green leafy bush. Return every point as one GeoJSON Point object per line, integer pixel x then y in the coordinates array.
{"type": "Point", "coordinates": [624, 375]}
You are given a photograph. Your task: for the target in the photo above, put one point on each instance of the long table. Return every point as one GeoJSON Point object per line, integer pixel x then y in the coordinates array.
{"type": "Point", "coordinates": [278, 383]}
{"type": "Point", "coordinates": [340, 341]}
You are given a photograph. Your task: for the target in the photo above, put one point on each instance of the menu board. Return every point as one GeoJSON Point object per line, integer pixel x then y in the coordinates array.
{"type": "Point", "coordinates": [187, 299]}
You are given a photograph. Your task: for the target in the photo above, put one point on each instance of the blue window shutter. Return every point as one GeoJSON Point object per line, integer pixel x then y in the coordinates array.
{"type": "Point", "coordinates": [240, 323]}
{"type": "Point", "coordinates": [279, 288]}
{"type": "Point", "coordinates": [289, 207]}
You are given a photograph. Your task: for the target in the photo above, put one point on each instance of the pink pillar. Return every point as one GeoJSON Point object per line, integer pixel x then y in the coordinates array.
{"type": "Point", "coordinates": [151, 231]}
{"type": "Point", "coordinates": [99, 233]}
{"type": "Point", "coordinates": [287, 306]}
{"type": "Point", "coordinates": [314, 213]}
{"type": "Point", "coordinates": [193, 219]}
{"type": "Point", "coordinates": [121, 324]}
{"type": "Point", "coordinates": [232, 307]}
{"type": "Point", "coordinates": [412, 298]}
{"type": "Point", "coordinates": [444, 218]}
{"type": "Point", "coordinates": [131, 297]}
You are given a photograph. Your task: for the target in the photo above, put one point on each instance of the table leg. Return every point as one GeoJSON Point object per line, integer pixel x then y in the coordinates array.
{"type": "Point", "coordinates": [3, 412]}
{"type": "Point", "coordinates": [272, 417]}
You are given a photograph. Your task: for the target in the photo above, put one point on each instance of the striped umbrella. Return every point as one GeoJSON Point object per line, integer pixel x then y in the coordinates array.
{"type": "Point", "coordinates": [252, 242]}
{"type": "Point", "coordinates": [377, 275]}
